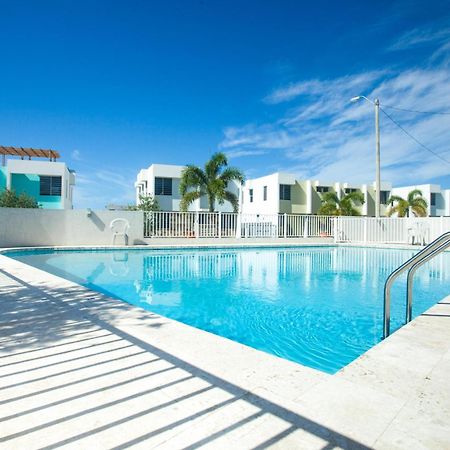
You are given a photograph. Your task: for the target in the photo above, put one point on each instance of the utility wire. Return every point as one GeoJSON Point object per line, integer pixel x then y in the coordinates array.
{"type": "Point", "coordinates": [414, 139]}
{"type": "Point", "coordinates": [444, 113]}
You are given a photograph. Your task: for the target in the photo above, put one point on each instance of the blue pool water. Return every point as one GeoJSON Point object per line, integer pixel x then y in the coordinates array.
{"type": "Point", "coordinates": [319, 306]}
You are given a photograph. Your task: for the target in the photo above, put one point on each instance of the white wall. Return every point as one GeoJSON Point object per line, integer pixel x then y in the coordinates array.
{"type": "Point", "coordinates": [21, 227]}
{"type": "Point", "coordinates": [259, 206]}
{"type": "Point", "coordinates": [446, 195]}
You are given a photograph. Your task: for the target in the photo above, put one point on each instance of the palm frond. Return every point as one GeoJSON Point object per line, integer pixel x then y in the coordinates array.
{"type": "Point", "coordinates": [328, 209]}
{"type": "Point", "coordinates": [330, 197]}
{"type": "Point", "coordinates": [355, 197]}
{"type": "Point", "coordinates": [216, 187]}
{"type": "Point", "coordinates": [188, 198]}
{"type": "Point", "coordinates": [419, 210]}
{"type": "Point", "coordinates": [400, 206]}
{"type": "Point", "coordinates": [233, 199]}
{"type": "Point", "coordinates": [192, 177]}
{"type": "Point", "coordinates": [232, 174]}
{"type": "Point", "coordinates": [215, 164]}
{"type": "Point", "coordinates": [395, 199]}
{"type": "Point", "coordinates": [420, 202]}
{"type": "Point", "coordinates": [413, 195]}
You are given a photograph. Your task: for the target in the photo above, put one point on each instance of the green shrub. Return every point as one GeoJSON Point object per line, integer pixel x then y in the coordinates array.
{"type": "Point", "coordinates": [9, 199]}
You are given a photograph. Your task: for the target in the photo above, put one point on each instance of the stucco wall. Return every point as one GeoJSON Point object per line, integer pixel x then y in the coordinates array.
{"type": "Point", "coordinates": [299, 198]}
{"type": "Point", "coordinates": [259, 205]}
{"type": "Point", "coordinates": [40, 227]}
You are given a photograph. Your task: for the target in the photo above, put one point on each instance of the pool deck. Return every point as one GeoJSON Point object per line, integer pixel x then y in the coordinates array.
{"type": "Point", "coordinates": [81, 370]}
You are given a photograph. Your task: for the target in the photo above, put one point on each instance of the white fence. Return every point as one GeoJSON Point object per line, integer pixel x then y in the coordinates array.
{"type": "Point", "coordinates": [226, 225]}
{"type": "Point", "coordinates": [390, 230]}
{"type": "Point", "coordinates": [343, 229]}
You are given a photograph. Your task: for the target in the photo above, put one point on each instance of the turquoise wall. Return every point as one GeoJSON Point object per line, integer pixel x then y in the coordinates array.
{"type": "Point", "coordinates": [2, 178]}
{"type": "Point", "coordinates": [29, 183]}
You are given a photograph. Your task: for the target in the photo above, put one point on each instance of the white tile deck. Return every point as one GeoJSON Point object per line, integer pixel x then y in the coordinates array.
{"type": "Point", "coordinates": [80, 370]}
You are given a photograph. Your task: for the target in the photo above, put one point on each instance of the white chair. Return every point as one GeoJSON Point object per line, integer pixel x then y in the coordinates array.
{"type": "Point", "coordinates": [418, 234]}
{"type": "Point", "coordinates": [120, 228]}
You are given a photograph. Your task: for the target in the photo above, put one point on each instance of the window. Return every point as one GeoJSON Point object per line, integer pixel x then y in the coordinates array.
{"type": "Point", "coordinates": [50, 185]}
{"type": "Point", "coordinates": [265, 193]}
{"type": "Point", "coordinates": [350, 190]}
{"type": "Point", "coordinates": [322, 189]}
{"type": "Point", "coordinates": [250, 193]}
{"type": "Point", "coordinates": [433, 199]}
{"type": "Point", "coordinates": [384, 197]}
{"type": "Point", "coordinates": [163, 186]}
{"type": "Point", "coordinates": [285, 191]}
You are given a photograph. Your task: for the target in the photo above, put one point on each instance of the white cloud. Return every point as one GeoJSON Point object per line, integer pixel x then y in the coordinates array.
{"type": "Point", "coordinates": [241, 153]}
{"type": "Point", "coordinates": [319, 88]}
{"type": "Point", "coordinates": [324, 136]}
{"type": "Point", "coordinates": [76, 155]}
{"type": "Point", "coordinates": [420, 37]}
{"type": "Point", "coordinates": [98, 188]}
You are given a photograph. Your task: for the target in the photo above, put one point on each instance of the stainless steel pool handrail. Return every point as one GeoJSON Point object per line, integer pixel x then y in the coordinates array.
{"type": "Point", "coordinates": [411, 273]}
{"type": "Point", "coordinates": [431, 250]}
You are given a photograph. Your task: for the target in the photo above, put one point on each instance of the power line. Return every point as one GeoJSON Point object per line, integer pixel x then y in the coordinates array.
{"type": "Point", "coordinates": [444, 113]}
{"type": "Point", "coordinates": [414, 139]}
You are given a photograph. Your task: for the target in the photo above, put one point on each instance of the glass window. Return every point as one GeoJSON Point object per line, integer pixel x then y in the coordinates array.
{"type": "Point", "coordinates": [50, 185]}
{"type": "Point", "coordinates": [433, 199]}
{"type": "Point", "coordinates": [384, 196]}
{"type": "Point", "coordinates": [322, 189]}
{"type": "Point", "coordinates": [350, 190]}
{"type": "Point", "coordinates": [285, 191]}
{"type": "Point", "coordinates": [265, 193]}
{"type": "Point", "coordinates": [163, 186]}
{"type": "Point", "coordinates": [250, 193]}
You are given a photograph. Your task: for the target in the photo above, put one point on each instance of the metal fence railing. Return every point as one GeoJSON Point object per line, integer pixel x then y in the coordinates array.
{"type": "Point", "coordinates": [415, 230]}
{"type": "Point", "coordinates": [404, 230]}
{"type": "Point", "coordinates": [164, 224]}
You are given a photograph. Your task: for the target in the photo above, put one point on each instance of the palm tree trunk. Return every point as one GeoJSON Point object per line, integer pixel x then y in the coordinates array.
{"type": "Point", "coordinates": [211, 202]}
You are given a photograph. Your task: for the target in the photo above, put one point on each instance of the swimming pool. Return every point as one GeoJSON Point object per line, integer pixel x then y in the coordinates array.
{"type": "Point", "coordinates": [318, 306]}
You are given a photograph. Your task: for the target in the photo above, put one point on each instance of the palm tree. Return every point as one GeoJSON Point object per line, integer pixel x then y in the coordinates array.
{"type": "Point", "coordinates": [212, 182]}
{"type": "Point", "coordinates": [333, 206]}
{"type": "Point", "coordinates": [414, 202]}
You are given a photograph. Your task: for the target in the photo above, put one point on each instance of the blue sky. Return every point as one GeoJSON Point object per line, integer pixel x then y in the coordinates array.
{"type": "Point", "coordinates": [118, 85]}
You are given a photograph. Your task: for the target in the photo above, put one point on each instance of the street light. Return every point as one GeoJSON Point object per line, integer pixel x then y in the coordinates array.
{"type": "Point", "coordinates": [376, 103]}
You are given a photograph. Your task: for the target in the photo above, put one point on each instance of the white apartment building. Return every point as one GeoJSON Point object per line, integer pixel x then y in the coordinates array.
{"type": "Point", "coordinates": [162, 181]}
{"type": "Point", "coordinates": [280, 193]}
{"type": "Point", "coordinates": [283, 193]}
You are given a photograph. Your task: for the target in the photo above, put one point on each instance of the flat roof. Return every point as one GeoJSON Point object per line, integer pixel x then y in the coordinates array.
{"type": "Point", "coordinates": [30, 152]}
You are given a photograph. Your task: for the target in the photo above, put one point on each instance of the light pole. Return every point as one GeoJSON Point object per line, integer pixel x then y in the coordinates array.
{"type": "Point", "coordinates": [376, 103]}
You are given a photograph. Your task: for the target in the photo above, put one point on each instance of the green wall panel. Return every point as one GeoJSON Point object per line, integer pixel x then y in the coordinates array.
{"type": "Point", "coordinates": [29, 183]}
{"type": "Point", "coordinates": [2, 178]}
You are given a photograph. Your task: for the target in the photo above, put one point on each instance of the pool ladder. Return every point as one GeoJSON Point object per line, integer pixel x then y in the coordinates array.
{"type": "Point", "coordinates": [430, 251]}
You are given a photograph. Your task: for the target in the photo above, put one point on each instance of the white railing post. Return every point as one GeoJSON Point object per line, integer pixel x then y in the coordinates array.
{"type": "Point", "coordinates": [335, 229]}
{"type": "Point", "coordinates": [365, 229]}
{"type": "Point", "coordinates": [305, 228]}
{"type": "Point", "coordinates": [220, 224]}
{"type": "Point", "coordinates": [196, 225]}
{"type": "Point", "coordinates": [238, 225]}
{"type": "Point", "coordinates": [285, 226]}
